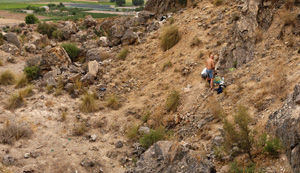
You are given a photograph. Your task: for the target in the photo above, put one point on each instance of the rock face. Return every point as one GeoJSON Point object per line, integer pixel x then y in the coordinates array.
{"type": "Point", "coordinates": [56, 57]}
{"type": "Point", "coordinates": [12, 38]}
{"type": "Point", "coordinates": [285, 123]}
{"type": "Point", "coordinates": [162, 6]}
{"type": "Point", "coordinates": [167, 156]}
{"type": "Point", "coordinates": [69, 29]}
{"type": "Point", "coordinates": [89, 21]}
{"type": "Point", "coordinates": [93, 54]}
{"type": "Point", "coordinates": [38, 40]}
{"type": "Point", "coordinates": [241, 47]}
{"type": "Point", "coordinates": [10, 48]}
{"type": "Point", "coordinates": [129, 37]}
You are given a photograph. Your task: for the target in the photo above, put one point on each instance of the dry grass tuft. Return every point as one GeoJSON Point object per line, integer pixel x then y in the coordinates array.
{"type": "Point", "coordinates": [123, 54]}
{"type": "Point", "coordinates": [169, 37]}
{"type": "Point", "coordinates": [15, 101]}
{"type": "Point", "coordinates": [132, 132]}
{"type": "Point", "coordinates": [49, 89]}
{"type": "Point", "coordinates": [166, 65]}
{"type": "Point", "coordinates": [80, 129]}
{"type": "Point", "coordinates": [1, 63]}
{"type": "Point", "coordinates": [21, 82]}
{"type": "Point", "coordinates": [217, 110]}
{"type": "Point", "coordinates": [288, 18]}
{"type": "Point", "coordinates": [27, 92]}
{"type": "Point", "coordinates": [58, 92]}
{"type": "Point", "coordinates": [49, 103]}
{"type": "Point", "coordinates": [172, 101]}
{"type": "Point", "coordinates": [259, 35]}
{"type": "Point", "coordinates": [7, 78]}
{"type": "Point", "coordinates": [195, 42]}
{"type": "Point", "coordinates": [13, 132]}
{"type": "Point", "coordinates": [280, 79]}
{"type": "Point", "coordinates": [88, 104]}
{"type": "Point", "coordinates": [63, 116]}
{"type": "Point", "coordinates": [112, 101]}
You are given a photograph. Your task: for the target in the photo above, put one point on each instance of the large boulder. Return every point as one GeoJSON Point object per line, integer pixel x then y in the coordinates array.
{"type": "Point", "coordinates": [89, 21]}
{"type": "Point", "coordinates": [129, 37]}
{"type": "Point", "coordinates": [12, 38]}
{"type": "Point", "coordinates": [56, 57]}
{"type": "Point", "coordinates": [116, 33]}
{"type": "Point", "coordinates": [144, 16]}
{"type": "Point", "coordinates": [30, 48]}
{"type": "Point", "coordinates": [10, 48]}
{"type": "Point", "coordinates": [40, 41]}
{"type": "Point", "coordinates": [285, 124]}
{"type": "Point", "coordinates": [69, 29]}
{"type": "Point", "coordinates": [93, 68]}
{"type": "Point", "coordinates": [168, 156]}
{"type": "Point", "coordinates": [93, 54]}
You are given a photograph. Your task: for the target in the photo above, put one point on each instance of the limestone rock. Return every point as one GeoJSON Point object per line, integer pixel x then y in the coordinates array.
{"type": "Point", "coordinates": [285, 124]}
{"type": "Point", "coordinates": [56, 57]}
{"type": "Point", "coordinates": [93, 54]}
{"type": "Point", "coordinates": [10, 48]}
{"type": "Point", "coordinates": [69, 29]}
{"type": "Point", "coordinates": [129, 38]}
{"type": "Point", "coordinates": [30, 48]}
{"type": "Point", "coordinates": [89, 21]}
{"type": "Point", "coordinates": [93, 68]}
{"type": "Point", "coordinates": [167, 156]}
{"type": "Point", "coordinates": [160, 7]}
{"type": "Point", "coordinates": [38, 40]}
{"type": "Point", "coordinates": [12, 38]}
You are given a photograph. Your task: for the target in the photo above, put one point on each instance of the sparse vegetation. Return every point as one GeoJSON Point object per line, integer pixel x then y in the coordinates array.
{"type": "Point", "coordinates": [47, 29]}
{"type": "Point", "coordinates": [172, 101]}
{"type": "Point", "coordinates": [58, 92]}
{"type": "Point", "coordinates": [146, 116]}
{"type": "Point", "coordinates": [280, 75]}
{"type": "Point", "coordinates": [289, 4]}
{"type": "Point", "coordinates": [200, 55]}
{"type": "Point", "coordinates": [132, 132]}
{"type": "Point", "coordinates": [28, 91]}
{"type": "Point", "coordinates": [217, 110]}
{"type": "Point", "coordinates": [248, 168]}
{"type": "Point", "coordinates": [1, 39]}
{"type": "Point", "coordinates": [21, 82]}
{"type": "Point", "coordinates": [7, 78]}
{"type": "Point", "coordinates": [123, 54]}
{"type": "Point", "coordinates": [63, 116]}
{"type": "Point", "coordinates": [13, 132]}
{"type": "Point", "coordinates": [288, 19]}
{"type": "Point", "coordinates": [72, 50]}
{"type": "Point", "coordinates": [112, 101]}
{"type": "Point", "coordinates": [238, 132]}
{"type": "Point", "coordinates": [15, 101]}
{"type": "Point", "coordinates": [166, 65]}
{"type": "Point", "coordinates": [155, 135]}
{"type": "Point", "coordinates": [271, 145]}
{"type": "Point", "coordinates": [58, 34]}
{"type": "Point", "coordinates": [218, 2]}
{"type": "Point", "coordinates": [259, 35]}
{"type": "Point", "coordinates": [49, 89]}
{"type": "Point", "coordinates": [31, 19]}
{"type": "Point", "coordinates": [169, 37]}
{"type": "Point", "coordinates": [32, 72]}
{"type": "Point", "coordinates": [171, 20]}
{"type": "Point", "coordinates": [195, 42]}
{"type": "Point", "coordinates": [80, 129]}
{"type": "Point", "coordinates": [88, 104]}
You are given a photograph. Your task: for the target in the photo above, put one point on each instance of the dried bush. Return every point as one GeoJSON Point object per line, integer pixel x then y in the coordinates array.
{"type": "Point", "coordinates": [132, 132]}
{"type": "Point", "coordinates": [166, 65]}
{"type": "Point", "coordinates": [238, 132]}
{"type": "Point", "coordinates": [80, 129]}
{"type": "Point", "coordinates": [172, 101]}
{"type": "Point", "coordinates": [169, 37]}
{"type": "Point", "coordinates": [13, 132]}
{"type": "Point", "coordinates": [280, 79]}
{"type": "Point", "coordinates": [21, 82]}
{"type": "Point", "coordinates": [112, 101]}
{"type": "Point", "coordinates": [28, 91]}
{"type": "Point", "coordinates": [195, 42]}
{"type": "Point", "coordinates": [218, 2]}
{"type": "Point", "coordinates": [15, 101]}
{"type": "Point", "coordinates": [7, 78]}
{"type": "Point", "coordinates": [123, 54]}
{"type": "Point", "coordinates": [88, 104]}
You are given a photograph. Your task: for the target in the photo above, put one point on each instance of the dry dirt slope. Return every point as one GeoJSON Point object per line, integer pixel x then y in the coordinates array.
{"type": "Point", "coordinates": [249, 84]}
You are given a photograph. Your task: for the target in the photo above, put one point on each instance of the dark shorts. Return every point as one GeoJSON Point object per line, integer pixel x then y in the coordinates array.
{"type": "Point", "coordinates": [210, 73]}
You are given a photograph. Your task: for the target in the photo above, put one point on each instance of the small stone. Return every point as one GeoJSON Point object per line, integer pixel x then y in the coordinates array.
{"type": "Point", "coordinates": [11, 60]}
{"type": "Point", "coordinates": [93, 138]}
{"type": "Point", "coordinates": [26, 155]}
{"type": "Point", "coordinates": [144, 130]}
{"type": "Point", "coordinates": [119, 144]}
{"type": "Point", "coordinates": [86, 162]}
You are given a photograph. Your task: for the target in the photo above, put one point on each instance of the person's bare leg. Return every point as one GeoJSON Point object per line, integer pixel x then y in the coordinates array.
{"type": "Point", "coordinates": [211, 83]}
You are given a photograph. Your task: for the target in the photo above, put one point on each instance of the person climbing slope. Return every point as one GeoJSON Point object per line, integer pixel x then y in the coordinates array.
{"type": "Point", "coordinates": [210, 66]}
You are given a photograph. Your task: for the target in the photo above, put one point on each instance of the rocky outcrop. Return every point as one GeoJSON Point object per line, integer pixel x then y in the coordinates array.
{"type": "Point", "coordinates": [69, 29]}
{"type": "Point", "coordinates": [129, 37]}
{"type": "Point", "coordinates": [93, 54]}
{"type": "Point", "coordinates": [89, 21]}
{"type": "Point", "coordinates": [40, 41]}
{"type": "Point", "coordinates": [56, 57]}
{"type": "Point", "coordinates": [162, 6]}
{"type": "Point", "coordinates": [167, 156]}
{"type": "Point", "coordinates": [285, 124]}
{"type": "Point", "coordinates": [240, 48]}
{"type": "Point", "coordinates": [10, 48]}
{"type": "Point", "coordinates": [12, 38]}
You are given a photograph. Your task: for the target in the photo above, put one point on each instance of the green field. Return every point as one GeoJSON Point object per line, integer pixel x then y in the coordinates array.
{"type": "Point", "coordinates": [14, 6]}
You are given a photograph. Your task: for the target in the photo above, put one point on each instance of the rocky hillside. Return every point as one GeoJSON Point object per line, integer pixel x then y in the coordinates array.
{"type": "Point", "coordinates": [94, 95]}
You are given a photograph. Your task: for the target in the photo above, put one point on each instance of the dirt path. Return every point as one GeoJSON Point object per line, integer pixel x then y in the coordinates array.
{"type": "Point", "coordinates": [10, 18]}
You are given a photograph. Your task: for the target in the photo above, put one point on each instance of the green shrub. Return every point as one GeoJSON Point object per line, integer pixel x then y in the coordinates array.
{"type": "Point", "coordinates": [45, 28]}
{"type": "Point", "coordinates": [172, 101]}
{"type": "Point", "coordinates": [239, 133]}
{"type": "Point", "coordinates": [7, 78]}
{"type": "Point", "coordinates": [1, 39]}
{"type": "Point", "coordinates": [138, 2]}
{"type": "Point", "coordinates": [88, 104]}
{"type": "Point", "coordinates": [249, 168]}
{"type": "Point", "coordinates": [32, 72]}
{"type": "Point", "coordinates": [155, 135]}
{"type": "Point", "coordinates": [271, 145]}
{"type": "Point", "coordinates": [218, 2]}
{"type": "Point", "coordinates": [57, 34]}
{"type": "Point", "coordinates": [123, 54]}
{"type": "Point", "coordinates": [146, 116]}
{"type": "Point", "coordinates": [170, 37]}
{"type": "Point", "coordinates": [72, 50]}
{"type": "Point", "coordinates": [31, 19]}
